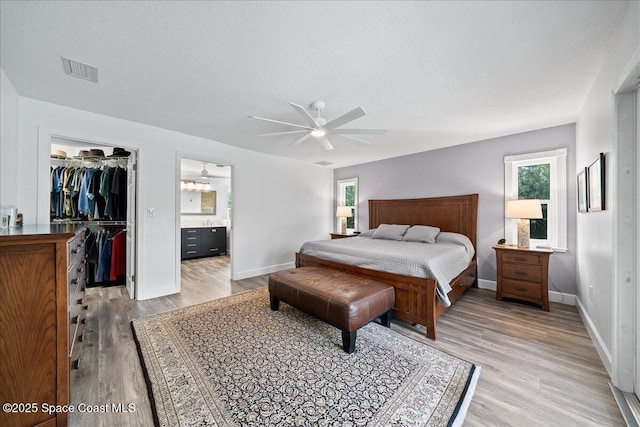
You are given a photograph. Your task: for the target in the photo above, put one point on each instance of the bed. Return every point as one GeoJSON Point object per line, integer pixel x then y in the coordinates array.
{"type": "Point", "coordinates": [416, 297]}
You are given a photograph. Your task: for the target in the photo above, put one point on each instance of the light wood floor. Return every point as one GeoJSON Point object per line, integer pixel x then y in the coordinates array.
{"type": "Point", "coordinates": [538, 369]}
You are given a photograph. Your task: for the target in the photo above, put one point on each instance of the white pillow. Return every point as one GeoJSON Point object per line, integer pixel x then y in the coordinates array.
{"type": "Point", "coordinates": [367, 233]}
{"type": "Point", "coordinates": [390, 231]}
{"type": "Point", "coordinates": [421, 234]}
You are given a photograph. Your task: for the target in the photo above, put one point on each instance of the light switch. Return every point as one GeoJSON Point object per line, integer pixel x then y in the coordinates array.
{"type": "Point", "coordinates": [151, 211]}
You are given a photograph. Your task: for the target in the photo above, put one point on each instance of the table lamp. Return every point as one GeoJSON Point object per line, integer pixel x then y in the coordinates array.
{"type": "Point", "coordinates": [523, 211]}
{"type": "Point", "coordinates": [344, 212]}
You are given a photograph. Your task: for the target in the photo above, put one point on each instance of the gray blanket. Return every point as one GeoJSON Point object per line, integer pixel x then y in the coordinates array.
{"type": "Point", "coordinates": [441, 261]}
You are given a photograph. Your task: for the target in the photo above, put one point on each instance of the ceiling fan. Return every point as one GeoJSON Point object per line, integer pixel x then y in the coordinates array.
{"type": "Point", "coordinates": [319, 128]}
{"type": "Point", "coordinates": [204, 173]}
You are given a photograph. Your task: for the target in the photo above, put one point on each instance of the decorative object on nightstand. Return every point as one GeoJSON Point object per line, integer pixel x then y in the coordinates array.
{"type": "Point", "coordinates": [523, 211]}
{"type": "Point", "coordinates": [523, 274]}
{"type": "Point", "coordinates": [344, 212]}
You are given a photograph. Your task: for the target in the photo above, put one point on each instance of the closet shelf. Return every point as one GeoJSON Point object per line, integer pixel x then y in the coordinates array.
{"type": "Point", "coordinates": [88, 223]}
{"type": "Point", "coordinates": [91, 161]}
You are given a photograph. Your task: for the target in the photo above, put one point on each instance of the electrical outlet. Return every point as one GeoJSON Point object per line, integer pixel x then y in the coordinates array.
{"type": "Point", "coordinates": [151, 211]}
{"type": "Point", "coordinates": [591, 293]}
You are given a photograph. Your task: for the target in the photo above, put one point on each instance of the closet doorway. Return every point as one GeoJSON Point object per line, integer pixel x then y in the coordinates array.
{"type": "Point", "coordinates": [205, 226]}
{"type": "Point", "coordinates": [96, 185]}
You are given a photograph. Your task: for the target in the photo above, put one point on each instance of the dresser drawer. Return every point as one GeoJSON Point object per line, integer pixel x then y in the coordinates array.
{"type": "Point", "coordinates": [521, 258]}
{"type": "Point", "coordinates": [213, 251]}
{"type": "Point", "coordinates": [530, 273]}
{"type": "Point", "coordinates": [75, 346]}
{"type": "Point", "coordinates": [75, 280]}
{"type": "Point", "coordinates": [190, 234]}
{"type": "Point", "coordinates": [78, 297]}
{"type": "Point", "coordinates": [76, 318]}
{"type": "Point", "coordinates": [527, 291]}
{"type": "Point", "coordinates": [190, 250]}
{"type": "Point", "coordinates": [191, 238]}
{"type": "Point", "coordinates": [75, 249]}
{"type": "Point", "coordinates": [191, 245]}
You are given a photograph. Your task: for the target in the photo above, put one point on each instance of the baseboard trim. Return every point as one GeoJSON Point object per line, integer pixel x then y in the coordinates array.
{"type": "Point", "coordinates": [562, 298]}
{"type": "Point", "coordinates": [602, 350]}
{"type": "Point", "coordinates": [264, 270]}
{"type": "Point", "coordinates": [629, 406]}
{"type": "Point", "coordinates": [487, 284]}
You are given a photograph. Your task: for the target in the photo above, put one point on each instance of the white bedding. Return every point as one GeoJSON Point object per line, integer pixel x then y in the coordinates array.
{"type": "Point", "coordinates": [442, 260]}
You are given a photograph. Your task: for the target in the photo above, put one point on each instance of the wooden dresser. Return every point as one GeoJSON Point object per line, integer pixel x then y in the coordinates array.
{"type": "Point", "coordinates": [523, 274]}
{"type": "Point", "coordinates": [41, 317]}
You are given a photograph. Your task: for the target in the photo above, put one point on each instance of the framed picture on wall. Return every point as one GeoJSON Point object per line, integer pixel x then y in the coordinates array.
{"type": "Point", "coordinates": [583, 201]}
{"type": "Point", "coordinates": [596, 184]}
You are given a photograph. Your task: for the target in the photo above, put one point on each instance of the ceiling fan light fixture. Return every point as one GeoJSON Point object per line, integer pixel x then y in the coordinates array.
{"type": "Point", "coordinates": [318, 127]}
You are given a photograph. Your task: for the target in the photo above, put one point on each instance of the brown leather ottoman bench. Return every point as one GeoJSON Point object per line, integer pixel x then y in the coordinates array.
{"type": "Point", "coordinates": [343, 300]}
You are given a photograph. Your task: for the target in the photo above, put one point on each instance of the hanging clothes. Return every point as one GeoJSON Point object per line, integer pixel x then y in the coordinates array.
{"type": "Point", "coordinates": [118, 257]}
{"type": "Point", "coordinates": [81, 192]}
{"type": "Point", "coordinates": [106, 256]}
{"type": "Point", "coordinates": [119, 193]}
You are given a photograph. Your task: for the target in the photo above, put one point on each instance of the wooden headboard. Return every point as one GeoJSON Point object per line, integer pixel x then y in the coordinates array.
{"type": "Point", "coordinates": [458, 214]}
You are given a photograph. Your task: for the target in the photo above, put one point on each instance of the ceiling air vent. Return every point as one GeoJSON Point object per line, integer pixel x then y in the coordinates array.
{"type": "Point", "coordinates": [80, 70]}
{"type": "Point", "coordinates": [323, 163]}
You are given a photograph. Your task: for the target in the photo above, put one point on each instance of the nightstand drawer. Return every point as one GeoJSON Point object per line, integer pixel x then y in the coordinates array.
{"type": "Point", "coordinates": [522, 272]}
{"type": "Point", "coordinates": [526, 291]}
{"type": "Point", "coordinates": [521, 258]}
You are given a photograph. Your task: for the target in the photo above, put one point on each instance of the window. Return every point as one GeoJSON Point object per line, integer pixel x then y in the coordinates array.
{"type": "Point", "coordinates": [347, 195]}
{"type": "Point", "coordinates": [540, 176]}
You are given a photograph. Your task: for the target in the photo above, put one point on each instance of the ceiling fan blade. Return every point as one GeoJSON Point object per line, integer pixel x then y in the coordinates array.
{"type": "Point", "coordinates": [282, 123]}
{"type": "Point", "coordinates": [304, 113]}
{"type": "Point", "coordinates": [345, 118]}
{"type": "Point", "coordinates": [301, 140]}
{"type": "Point", "coordinates": [362, 141]}
{"type": "Point", "coordinates": [284, 133]}
{"type": "Point", "coordinates": [359, 131]}
{"type": "Point", "coordinates": [325, 143]}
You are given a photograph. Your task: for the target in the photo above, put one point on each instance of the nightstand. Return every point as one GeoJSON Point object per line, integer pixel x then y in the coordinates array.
{"type": "Point", "coordinates": [523, 274]}
{"type": "Point", "coordinates": [341, 236]}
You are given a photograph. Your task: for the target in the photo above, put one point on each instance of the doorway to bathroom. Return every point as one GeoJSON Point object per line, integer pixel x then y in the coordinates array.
{"type": "Point", "coordinates": [205, 227]}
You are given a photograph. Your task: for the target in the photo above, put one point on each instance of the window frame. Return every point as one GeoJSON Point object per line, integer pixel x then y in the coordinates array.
{"type": "Point", "coordinates": [556, 206]}
{"type": "Point", "coordinates": [341, 185]}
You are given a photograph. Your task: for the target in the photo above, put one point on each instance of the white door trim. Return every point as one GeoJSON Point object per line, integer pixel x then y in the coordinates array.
{"type": "Point", "coordinates": [625, 226]}
{"type": "Point", "coordinates": [206, 159]}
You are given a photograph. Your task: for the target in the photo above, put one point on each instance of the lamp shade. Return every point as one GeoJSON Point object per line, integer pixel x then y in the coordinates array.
{"type": "Point", "coordinates": [344, 212]}
{"type": "Point", "coordinates": [529, 209]}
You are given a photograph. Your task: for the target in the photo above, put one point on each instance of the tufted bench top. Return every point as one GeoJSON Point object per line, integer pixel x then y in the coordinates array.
{"type": "Point", "coordinates": [343, 300]}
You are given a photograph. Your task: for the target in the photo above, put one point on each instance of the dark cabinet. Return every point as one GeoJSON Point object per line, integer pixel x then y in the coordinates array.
{"type": "Point", "coordinates": [203, 242]}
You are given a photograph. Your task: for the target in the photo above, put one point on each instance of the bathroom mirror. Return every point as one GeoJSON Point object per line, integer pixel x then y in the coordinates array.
{"type": "Point", "coordinates": [198, 202]}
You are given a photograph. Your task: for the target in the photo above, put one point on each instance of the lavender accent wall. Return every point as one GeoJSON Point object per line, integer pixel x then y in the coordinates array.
{"type": "Point", "coordinates": [476, 167]}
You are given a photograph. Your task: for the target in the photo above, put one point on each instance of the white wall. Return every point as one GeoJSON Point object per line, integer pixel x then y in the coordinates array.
{"type": "Point", "coordinates": [595, 133]}
{"type": "Point", "coordinates": [9, 129]}
{"type": "Point", "coordinates": [279, 203]}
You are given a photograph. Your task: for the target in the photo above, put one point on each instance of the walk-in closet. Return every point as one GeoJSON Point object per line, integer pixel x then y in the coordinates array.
{"type": "Point", "coordinates": [95, 185]}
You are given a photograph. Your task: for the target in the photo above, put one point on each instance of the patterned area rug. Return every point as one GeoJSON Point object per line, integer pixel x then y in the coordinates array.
{"type": "Point", "coordinates": [233, 361]}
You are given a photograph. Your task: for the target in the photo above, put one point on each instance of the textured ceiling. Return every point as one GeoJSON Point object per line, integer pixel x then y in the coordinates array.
{"type": "Point", "coordinates": [435, 73]}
